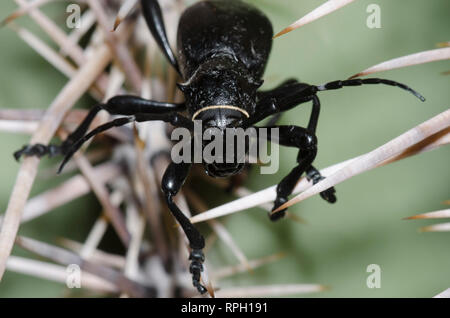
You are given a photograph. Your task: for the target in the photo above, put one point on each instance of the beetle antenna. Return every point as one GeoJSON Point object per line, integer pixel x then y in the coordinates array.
{"type": "Point", "coordinates": [77, 145]}
{"type": "Point", "coordinates": [360, 81]}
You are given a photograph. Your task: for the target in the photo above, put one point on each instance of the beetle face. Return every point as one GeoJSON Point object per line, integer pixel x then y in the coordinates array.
{"type": "Point", "coordinates": [222, 170]}
{"type": "Point", "coordinates": [223, 152]}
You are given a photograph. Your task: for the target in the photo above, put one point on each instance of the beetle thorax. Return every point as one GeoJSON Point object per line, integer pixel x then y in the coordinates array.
{"type": "Point", "coordinates": [222, 84]}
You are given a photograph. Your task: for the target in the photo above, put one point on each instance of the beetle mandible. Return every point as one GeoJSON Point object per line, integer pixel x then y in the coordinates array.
{"type": "Point", "coordinates": [223, 48]}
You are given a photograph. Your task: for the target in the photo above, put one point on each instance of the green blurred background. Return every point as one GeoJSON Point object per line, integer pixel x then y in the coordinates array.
{"type": "Point", "coordinates": [339, 241]}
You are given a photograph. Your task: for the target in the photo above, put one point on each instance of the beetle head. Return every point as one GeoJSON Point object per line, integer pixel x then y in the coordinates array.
{"type": "Point", "coordinates": [224, 151]}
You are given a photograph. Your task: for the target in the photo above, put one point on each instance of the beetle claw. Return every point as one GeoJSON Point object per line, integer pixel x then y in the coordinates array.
{"type": "Point", "coordinates": [329, 195]}
{"type": "Point", "coordinates": [37, 150]}
{"type": "Point", "coordinates": [196, 268]}
{"type": "Point", "coordinates": [279, 214]}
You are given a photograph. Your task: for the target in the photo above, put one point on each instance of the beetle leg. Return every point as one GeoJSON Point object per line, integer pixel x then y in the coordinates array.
{"type": "Point", "coordinates": [278, 91]}
{"type": "Point", "coordinates": [118, 105]}
{"type": "Point", "coordinates": [153, 15]}
{"type": "Point", "coordinates": [40, 150]}
{"type": "Point", "coordinates": [172, 182]}
{"type": "Point", "coordinates": [299, 94]}
{"type": "Point", "coordinates": [284, 97]}
{"type": "Point", "coordinates": [175, 119]}
{"type": "Point", "coordinates": [312, 174]}
{"type": "Point", "coordinates": [305, 140]}
{"type": "Point", "coordinates": [274, 119]}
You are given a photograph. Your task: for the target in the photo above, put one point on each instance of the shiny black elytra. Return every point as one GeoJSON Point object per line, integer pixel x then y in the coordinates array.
{"type": "Point", "coordinates": [223, 47]}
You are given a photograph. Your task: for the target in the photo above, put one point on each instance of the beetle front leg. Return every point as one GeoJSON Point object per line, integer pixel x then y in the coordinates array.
{"type": "Point", "coordinates": [172, 182]}
{"type": "Point", "coordinates": [118, 105]}
{"type": "Point", "coordinates": [51, 150]}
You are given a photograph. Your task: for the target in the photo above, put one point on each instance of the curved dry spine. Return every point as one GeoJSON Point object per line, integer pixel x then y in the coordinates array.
{"type": "Point", "coordinates": [97, 256]}
{"type": "Point", "coordinates": [442, 227]}
{"type": "Point", "coordinates": [121, 53]}
{"type": "Point", "coordinates": [66, 192]}
{"type": "Point", "coordinates": [127, 7]}
{"type": "Point", "coordinates": [65, 257]}
{"type": "Point", "coordinates": [24, 10]}
{"type": "Point", "coordinates": [323, 10]}
{"type": "Point", "coordinates": [444, 294]}
{"type": "Point", "coordinates": [58, 274]}
{"type": "Point", "coordinates": [18, 126]}
{"type": "Point", "coordinates": [87, 20]}
{"type": "Point", "coordinates": [55, 33]}
{"type": "Point", "coordinates": [100, 190]}
{"type": "Point", "coordinates": [441, 214]}
{"type": "Point", "coordinates": [75, 52]}
{"type": "Point", "coordinates": [45, 51]}
{"type": "Point", "coordinates": [136, 225]}
{"type": "Point", "coordinates": [99, 229]}
{"type": "Point", "coordinates": [408, 60]}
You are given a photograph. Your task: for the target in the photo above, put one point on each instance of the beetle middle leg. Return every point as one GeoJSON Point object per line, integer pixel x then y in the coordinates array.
{"type": "Point", "coordinates": [285, 97]}
{"type": "Point", "coordinates": [312, 174]}
{"type": "Point", "coordinates": [306, 141]}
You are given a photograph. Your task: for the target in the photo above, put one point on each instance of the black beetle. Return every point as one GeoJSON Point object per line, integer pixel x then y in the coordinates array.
{"type": "Point", "coordinates": [223, 48]}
